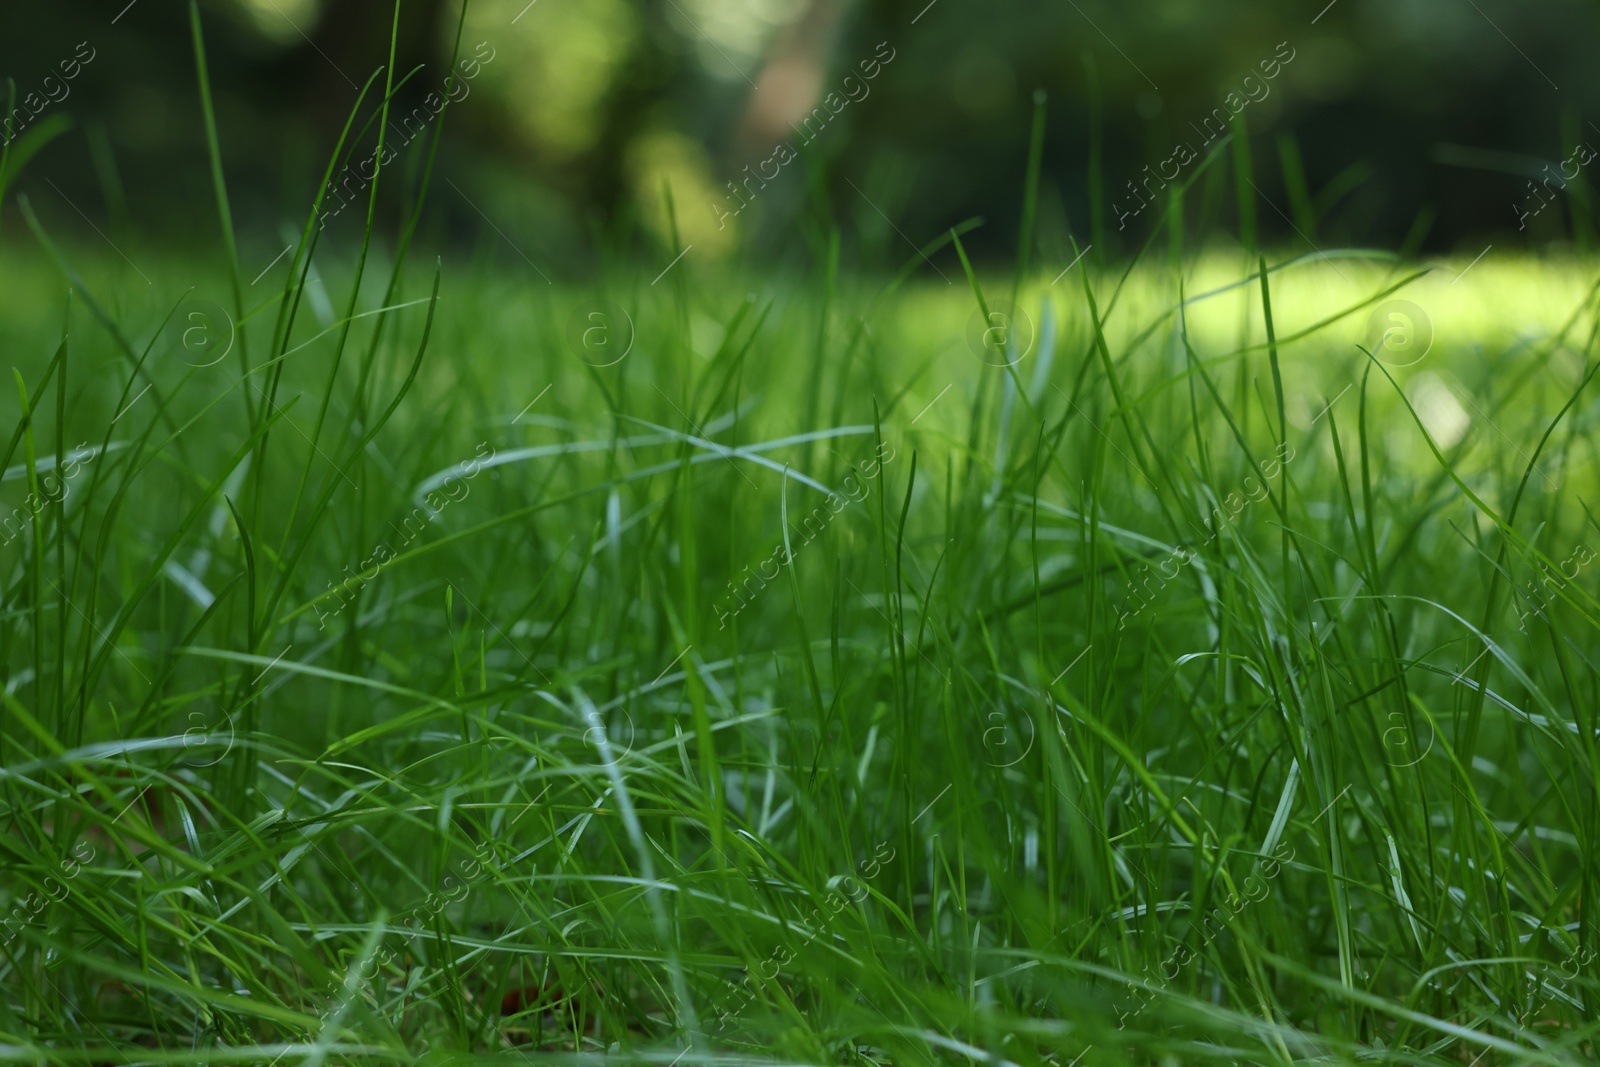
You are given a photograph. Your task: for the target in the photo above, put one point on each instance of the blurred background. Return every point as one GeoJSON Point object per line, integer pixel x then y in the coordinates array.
{"type": "Point", "coordinates": [1428, 125]}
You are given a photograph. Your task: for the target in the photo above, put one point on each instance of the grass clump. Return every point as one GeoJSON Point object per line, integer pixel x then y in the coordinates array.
{"type": "Point", "coordinates": [1190, 675]}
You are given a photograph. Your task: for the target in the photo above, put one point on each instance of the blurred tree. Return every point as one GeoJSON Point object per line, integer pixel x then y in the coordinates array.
{"type": "Point", "coordinates": [1388, 110]}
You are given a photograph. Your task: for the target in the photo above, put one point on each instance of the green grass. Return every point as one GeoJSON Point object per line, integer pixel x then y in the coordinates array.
{"type": "Point", "coordinates": [1199, 690]}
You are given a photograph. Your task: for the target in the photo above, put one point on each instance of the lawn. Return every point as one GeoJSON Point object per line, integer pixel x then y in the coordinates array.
{"type": "Point", "coordinates": [416, 659]}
